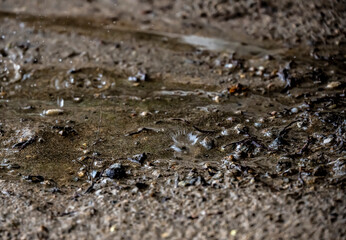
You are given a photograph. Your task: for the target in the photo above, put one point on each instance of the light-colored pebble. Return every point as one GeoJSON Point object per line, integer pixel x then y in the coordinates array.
{"type": "Point", "coordinates": [294, 110]}
{"type": "Point", "coordinates": [327, 141]}
{"type": "Point", "coordinates": [333, 85]}
{"type": "Point", "coordinates": [53, 112]}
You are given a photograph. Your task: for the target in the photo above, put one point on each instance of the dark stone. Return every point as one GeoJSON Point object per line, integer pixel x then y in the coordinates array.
{"type": "Point", "coordinates": [115, 171]}
{"type": "Point", "coordinates": [138, 158]}
{"type": "Point", "coordinates": [34, 179]}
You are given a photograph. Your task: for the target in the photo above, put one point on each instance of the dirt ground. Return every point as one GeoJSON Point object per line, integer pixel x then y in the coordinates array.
{"type": "Point", "coordinates": [172, 119]}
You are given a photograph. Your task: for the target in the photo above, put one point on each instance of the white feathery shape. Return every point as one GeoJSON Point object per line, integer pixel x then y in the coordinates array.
{"type": "Point", "coordinates": [182, 140]}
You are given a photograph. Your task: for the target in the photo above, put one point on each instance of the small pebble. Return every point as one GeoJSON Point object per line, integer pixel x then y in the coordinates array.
{"type": "Point", "coordinates": [230, 119]}
{"type": "Point", "coordinates": [207, 143]}
{"type": "Point", "coordinates": [139, 77]}
{"type": "Point", "coordinates": [238, 112]}
{"type": "Point", "coordinates": [226, 132]}
{"type": "Point", "coordinates": [132, 79]}
{"type": "Point", "coordinates": [115, 171]}
{"type": "Point", "coordinates": [304, 106]}
{"type": "Point", "coordinates": [156, 173]}
{"type": "Point", "coordinates": [53, 112]}
{"type": "Point", "coordinates": [327, 141]}
{"type": "Point", "coordinates": [81, 174]}
{"type": "Point", "coordinates": [138, 158]}
{"type": "Point", "coordinates": [145, 113]}
{"type": "Point", "coordinates": [333, 85]}
{"type": "Point", "coordinates": [332, 106]}
{"type": "Point", "coordinates": [294, 110]}
{"type": "Point", "coordinates": [216, 99]}
{"type": "Point", "coordinates": [267, 133]}
{"type": "Point", "coordinates": [229, 65]}
{"type": "Point", "coordinates": [86, 151]}
{"type": "Point", "coordinates": [77, 99]}
{"type": "Point", "coordinates": [233, 233]}
{"type": "Point", "coordinates": [240, 128]}
{"type": "Point", "coordinates": [261, 120]}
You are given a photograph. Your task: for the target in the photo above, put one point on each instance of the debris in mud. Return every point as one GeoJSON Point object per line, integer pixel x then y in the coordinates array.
{"type": "Point", "coordinates": [275, 145]}
{"type": "Point", "coordinates": [9, 166]}
{"type": "Point", "coordinates": [24, 144]}
{"type": "Point", "coordinates": [237, 89]}
{"type": "Point", "coordinates": [237, 168]}
{"type": "Point", "coordinates": [65, 131]}
{"type": "Point", "coordinates": [115, 171]}
{"type": "Point", "coordinates": [192, 179]}
{"type": "Point", "coordinates": [320, 171]}
{"type": "Point", "coordinates": [339, 167]}
{"type": "Point", "coordinates": [139, 77]}
{"type": "Point", "coordinates": [33, 178]}
{"type": "Point", "coordinates": [142, 186]}
{"type": "Point", "coordinates": [284, 165]}
{"type": "Point", "coordinates": [28, 107]}
{"type": "Point", "coordinates": [241, 129]}
{"type": "Point", "coordinates": [285, 76]}
{"type": "Point", "coordinates": [95, 174]}
{"type": "Point", "coordinates": [138, 158]}
{"type": "Point", "coordinates": [280, 139]}
{"type": "Point", "coordinates": [318, 76]}
{"type": "Point", "coordinates": [305, 148]}
{"type": "Point", "coordinates": [244, 148]}
{"type": "Point", "coordinates": [2, 93]}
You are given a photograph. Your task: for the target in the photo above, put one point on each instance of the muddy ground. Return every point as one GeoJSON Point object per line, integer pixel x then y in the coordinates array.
{"type": "Point", "coordinates": [172, 119]}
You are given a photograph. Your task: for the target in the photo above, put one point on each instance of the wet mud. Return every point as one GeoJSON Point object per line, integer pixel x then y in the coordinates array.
{"type": "Point", "coordinates": [112, 126]}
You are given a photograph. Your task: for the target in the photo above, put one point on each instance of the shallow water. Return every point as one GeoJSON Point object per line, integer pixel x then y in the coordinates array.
{"type": "Point", "coordinates": [103, 105]}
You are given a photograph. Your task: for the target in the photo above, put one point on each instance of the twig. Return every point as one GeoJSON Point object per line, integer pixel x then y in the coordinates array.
{"type": "Point", "coordinates": [66, 214]}
{"type": "Point", "coordinates": [90, 188]}
{"type": "Point", "coordinates": [203, 131]}
{"type": "Point", "coordinates": [93, 157]}
{"type": "Point", "coordinates": [173, 119]}
{"type": "Point", "coordinates": [24, 144]}
{"type": "Point", "coordinates": [180, 119]}
{"type": "Point", "coordinates": [139, 130]}
{"type": "Point", "coordinates": [305, 148]}
{"type": "Point", "coordinates": [300, 179]}
{"type": "Point", "coordinates": [285, 130]}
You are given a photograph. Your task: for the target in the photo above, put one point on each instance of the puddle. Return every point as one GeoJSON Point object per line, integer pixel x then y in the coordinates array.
{"type": "Point", "coordinates": [93, 94]}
